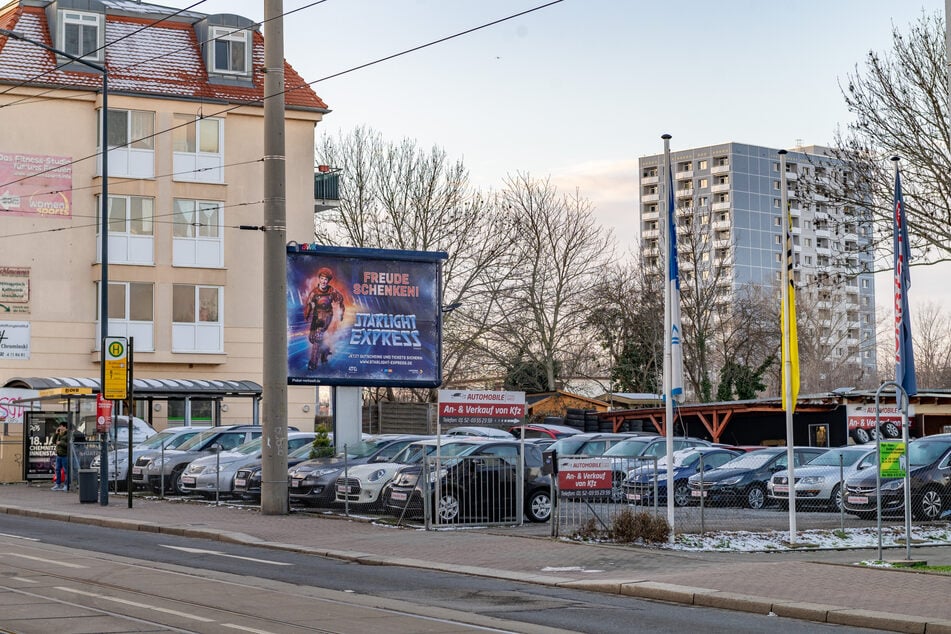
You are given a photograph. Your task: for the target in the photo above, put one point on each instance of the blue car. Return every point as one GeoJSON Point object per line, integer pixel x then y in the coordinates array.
{"type": "Point", "coordinates": [638, 487]}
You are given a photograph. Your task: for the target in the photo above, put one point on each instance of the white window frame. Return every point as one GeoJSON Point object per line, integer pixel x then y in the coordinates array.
{"type": "Point", "coordinates": [198, 333]}
{"type": "Point", "coordinates": [190, 163]}
{"type": "Point", "coordinates": [123, 326]}
{"type": "Point", "coordinates": [202, 245]}
{"type": "Point", "coordinates": [83, 19]}
{"type": "Point", "coordinates": [135, 159]}
{"type": "Point", "coordinates": [128, 246]}
{"type": "Point", "coordinates": [228, 35]}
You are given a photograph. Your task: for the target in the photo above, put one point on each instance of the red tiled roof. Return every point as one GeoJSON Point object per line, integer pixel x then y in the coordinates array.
{"type": "Point", "coordinates": [163, 60]}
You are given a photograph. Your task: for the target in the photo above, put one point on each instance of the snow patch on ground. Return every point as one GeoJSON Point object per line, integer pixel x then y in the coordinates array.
{"type": "Point", "coordinates": [745, 541]}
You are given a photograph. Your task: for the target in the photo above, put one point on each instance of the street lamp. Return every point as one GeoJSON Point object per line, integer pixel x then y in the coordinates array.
{"type": "Point", "coordinates": [103, 235]}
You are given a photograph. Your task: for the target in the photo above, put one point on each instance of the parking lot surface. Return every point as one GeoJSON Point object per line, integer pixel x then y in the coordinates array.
{"type": "Point", "coordinates": [821, 586]}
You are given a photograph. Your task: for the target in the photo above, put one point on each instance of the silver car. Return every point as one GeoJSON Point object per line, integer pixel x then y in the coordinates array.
{"type": "Point", "coordinates": [818, 482]}
{"type": "Point", "coordinates": [209, 474]}
{"type": "Point", "coordinates": [171, 438]}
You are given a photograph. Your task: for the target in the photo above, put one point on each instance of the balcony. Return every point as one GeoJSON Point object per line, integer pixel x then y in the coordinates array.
{"type": "Point", "coordinates": [684, 174]}
{"type": "Point", "coordinates": [326, 189]}
{"type": "Point", "coordinates": [724, 206]}
{"type": "Point", "coordinates": [724, 187]}
{"type": "Point", "coordinates": [649, 180]}
{"type": "Point", "coordinates": [683, 193]}
{"type": "Point", "coordinates": [720, 169]}
{"type": "Point", "coordinates": [650, 198]}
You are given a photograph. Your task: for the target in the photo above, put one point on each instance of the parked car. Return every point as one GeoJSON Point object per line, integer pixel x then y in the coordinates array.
{"type": "Point", "coordinates": [593, 444]}
{"type": "Point", "coordinates": [363, 485]}
{"type": "Point", "coordinates": [638, 451]}
{"type": "Point", "coordinates": [482, 485]}
{"type": "Point", "coordinates": [313, 482]}
{"type": "Point", "coordinates": [743, 479]}
{"type": "Point", "coordinates": [215, 473]}
{"type": "Point", "coordinates": [171, 438]}
{"type": "Point", "coordinates": [151, 468]}
{"type": "Point", "coordinates": [247, 479]}
{"type": "Point", "coordinates": [543, 430]}
{"type": "Point", "coordinates": [818, 482]}
{"type": "Point", "coordinates": [638, 486]}
{"type": "Point", "coordinates": [479, 432]}
{"type": "Point", "coordinates": [118, 433]}
{"type": "Point", "coordinates": [929, 458]}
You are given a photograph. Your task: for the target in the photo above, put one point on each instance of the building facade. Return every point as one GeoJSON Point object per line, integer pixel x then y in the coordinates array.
{"type": "Point", "coordinates": [732, 193]}
{"type": "Point", "coordinates": [185, 142]}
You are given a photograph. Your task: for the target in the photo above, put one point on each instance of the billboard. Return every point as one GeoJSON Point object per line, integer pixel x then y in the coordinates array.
{"type": "Point", "coordinates": [364, 317]}
{"type": "Point", "coordinates": [36, 184]}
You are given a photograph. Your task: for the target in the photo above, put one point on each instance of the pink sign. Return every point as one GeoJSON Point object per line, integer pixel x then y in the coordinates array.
{"type": "Point", "coordinates": [35, 185]}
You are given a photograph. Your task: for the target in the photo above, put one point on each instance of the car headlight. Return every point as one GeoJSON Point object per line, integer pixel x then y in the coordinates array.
{"type": "Point", "coordinates": [302, 469]}
{"type": "Point", "coordinates": [729, 481]}
{"type": "Point", "coordinates": [892, 485]}
{"type": "Point", "coordinates": [324, 472]}
{"type": "Point", "coordinates": [812, 480]}
{"type": "Point", "coordinates": [433, 476]}
{"type": "Point", "coordinates": [376, 475]}
{"type": "Point", "coordinates": [213, 469]}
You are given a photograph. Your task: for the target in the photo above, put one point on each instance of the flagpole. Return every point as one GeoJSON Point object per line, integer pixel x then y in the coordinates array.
{"type": "Point", "coordinates": [787, 373]}
{"type": "Point", "coordinates": [670, 228]}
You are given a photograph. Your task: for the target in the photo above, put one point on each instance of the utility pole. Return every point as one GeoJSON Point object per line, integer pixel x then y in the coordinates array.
{"type": "Point", "coordinates": [274, 305]}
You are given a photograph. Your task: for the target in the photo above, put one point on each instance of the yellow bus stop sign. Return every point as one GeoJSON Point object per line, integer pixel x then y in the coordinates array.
{"type": "Point", "coordinates": [116, 369]}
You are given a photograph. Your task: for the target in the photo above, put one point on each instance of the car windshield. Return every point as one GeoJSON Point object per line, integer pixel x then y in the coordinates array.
{"type": "Point", "coordinates": [568, 446]}
{"type": "Point", "coordinates": [366, 448]}
{"type": "Point", "coordinates": [753, 460]}
{"type": "Point", "coordinates": [301, 452]}
{"type": "Point", "coordinates": [835, 457]}
{"type": "Point", "coordinates": [627, 448]}
{"type": "Point", "coordinates": [196, 441]}
{"type": "Point", "coordinates": [248, 448]}
{"type": "Point", "coordinates": [414, 453]}
{"type": "Point", "coordinates": [924, 453]}
{"type": "Point", "coordinates": [167, 437]}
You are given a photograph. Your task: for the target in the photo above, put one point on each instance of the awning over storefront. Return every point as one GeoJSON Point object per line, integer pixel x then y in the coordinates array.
{"type": "Point", "coordinates": [149, 388]}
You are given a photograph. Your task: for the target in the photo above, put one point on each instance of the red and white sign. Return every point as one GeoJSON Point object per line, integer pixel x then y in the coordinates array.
{"type": "Point", "coordinates": [863, 416]}
{"type": "Point", "coordinates": [36, 185]}
{"type": "Point", "coordinates": [584, 474]}
{"type": "Point", "coordinates": [103, 414]}
{"type": "Point", "coordinates": [472, 407]}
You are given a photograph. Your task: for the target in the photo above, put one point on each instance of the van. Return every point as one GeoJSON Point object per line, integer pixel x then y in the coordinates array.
{"type": "Point", "coordinates": [119, 430]}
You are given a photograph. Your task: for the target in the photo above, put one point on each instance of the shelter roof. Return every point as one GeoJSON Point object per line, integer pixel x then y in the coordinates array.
{"type": "Point", "coordinates": [145, 388]}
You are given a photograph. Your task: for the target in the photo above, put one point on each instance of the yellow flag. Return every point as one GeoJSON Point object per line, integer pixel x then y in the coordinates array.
{"type": "Point", "coordinates": [787, 323]}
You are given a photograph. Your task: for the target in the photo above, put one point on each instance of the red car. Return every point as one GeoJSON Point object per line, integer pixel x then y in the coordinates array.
{"type": "Point", "coordinates": [543, 430]}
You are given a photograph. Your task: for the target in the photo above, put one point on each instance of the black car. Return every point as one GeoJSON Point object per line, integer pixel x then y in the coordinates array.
{"type": "Point", "coordinates": [640, 483]}
{"type": "Point", "coordinates": [312, 482]}
{"type": "Point", "coordinates": [481, 486]}
{"type": "Point", "coordinates": [930, 460]}
{"type": "Point", "coordinates": [247, 480]}
{"type": "Point", "coordinates": [743, 480]}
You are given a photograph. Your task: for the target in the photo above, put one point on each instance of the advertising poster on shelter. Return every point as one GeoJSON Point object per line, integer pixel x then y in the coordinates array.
{"type": "Point", "coordinates": [364, 317]}
{"type": "Point", "coordinates": [35, 184]}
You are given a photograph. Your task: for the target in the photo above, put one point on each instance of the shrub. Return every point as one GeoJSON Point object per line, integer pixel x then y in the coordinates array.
{"type": "Point", "coordinates": [645, 527]}
{"type": "Point", "coordinates": [321, 447]}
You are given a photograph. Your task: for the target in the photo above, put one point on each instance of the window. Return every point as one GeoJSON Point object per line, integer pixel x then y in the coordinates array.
{"type": "Point", "coordinates": [130, 230]}
{"type": "Point", "coordinates": [197, 234]}
{"type": "Point", "coordinates": [230, 52]}
{"type": "Point", "coordinates": [130, 143]}
{"type": "Point", "coordinates": [197, 149]}
{"type": "Point", "coordinates": [196, 318]}
{"type": "Point", "coordinates": [703, 182]}
{"type": "Point", "coordinates": [80, 34]}
{"type": "Point", "coordinates": [130, 312]}
{"type": "Point", "coordinates": [650, 172]}
{"type": "Point", "coordinates": [777, 239]}
{"type": "Point", "coordinates": [702, 164]}
{"type": "Point", "coordinates": [201, 410]}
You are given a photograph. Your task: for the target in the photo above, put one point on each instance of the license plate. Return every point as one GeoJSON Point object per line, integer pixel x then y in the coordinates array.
{"type": "Point", "coordinates": [343, 488]}
{"type": "Point", "coordinates": [634, 496]}
{"type": "Point", "coordinates": [781, 488]}
{"type": "Point", "coordinates": [698, 494]}
{"type": "Point", "coordinates": [398, 495]}
{"type": "Point", "coordinates": [136, 470]}
{"type": "Point", "coordinates": [188, 480]}
{"type": "Point", "coordinates": [295, 484]}
{"type": "Point", "coordinates": [857, 499]}
{"type": "Point", "coordinates": [240, 482]}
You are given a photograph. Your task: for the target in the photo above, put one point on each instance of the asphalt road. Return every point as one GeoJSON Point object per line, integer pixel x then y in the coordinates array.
{"type": "Point", "coordinates": [78, 578]}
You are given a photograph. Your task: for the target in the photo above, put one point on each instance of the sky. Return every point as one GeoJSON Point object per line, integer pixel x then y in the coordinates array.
{"type": "Point", "coordinates": [578, 90]}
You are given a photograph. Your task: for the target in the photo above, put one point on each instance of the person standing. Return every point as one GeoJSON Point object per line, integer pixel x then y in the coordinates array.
{"type": "Point", "coordinates": [319, 309]}
{"type": "Point", "coordinates": [61, 446]}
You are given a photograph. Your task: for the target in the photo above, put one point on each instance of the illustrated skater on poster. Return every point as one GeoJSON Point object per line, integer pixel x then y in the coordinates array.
{"type": "Point", "coordinates": [319, 309]}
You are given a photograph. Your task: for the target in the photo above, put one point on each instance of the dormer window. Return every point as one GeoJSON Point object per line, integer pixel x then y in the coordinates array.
{"type": "Point", "coordinates": [231, 53]}
{"type": "Point", "coordinates": [81, 34]}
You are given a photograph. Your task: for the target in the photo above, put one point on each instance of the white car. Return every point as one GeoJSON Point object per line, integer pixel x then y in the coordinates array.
{"type": "Point", "coordinates": [209, 474]}
{"type": "Point", "coordinates": [171, 438]}
{"type": "Point", "coordinates": [818, 481]}
{"type": "Point", "coordinates": [363, 484]}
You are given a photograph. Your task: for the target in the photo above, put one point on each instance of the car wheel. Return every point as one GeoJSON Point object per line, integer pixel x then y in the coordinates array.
{"type": "Point", "coordinates": [447, 509]}
{"type": "Point", "coordinates": [538, 506]}
{"type": "Point", "coordinates": [931, 505]}
{"type": "Point", "coordinates": [835, 500]}
{"type": "Point", "coordinates": [860, 436]}
{"type": "Point", "coordinates": [890, 430]}
{"type": "Point", "coordinates": [175, 483]}
{"type": "Point", "coordinates": [681, 493]}
{"type": "Point", "coordinates": [756, 497]}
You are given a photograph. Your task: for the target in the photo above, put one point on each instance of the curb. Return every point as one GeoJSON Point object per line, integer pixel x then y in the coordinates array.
{"type": "Point", "coordinates": [636, 588]}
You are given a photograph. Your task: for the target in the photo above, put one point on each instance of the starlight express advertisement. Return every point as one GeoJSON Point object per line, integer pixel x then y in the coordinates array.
{"type": "Point", "coordinates": [367, 317]}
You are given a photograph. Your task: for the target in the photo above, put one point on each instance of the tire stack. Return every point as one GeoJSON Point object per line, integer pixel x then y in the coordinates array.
{"type": "Point", "coordinates": [595, 423]}
{"type": "Point", "coordinates": [575, 417]}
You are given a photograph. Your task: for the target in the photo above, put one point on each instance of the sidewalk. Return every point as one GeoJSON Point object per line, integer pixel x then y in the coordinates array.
{"type": "Point", "coordinates": [815, 585]}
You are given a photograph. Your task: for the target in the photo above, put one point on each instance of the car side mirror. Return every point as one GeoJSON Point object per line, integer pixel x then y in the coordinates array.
{"type": "Point", "coordinates": [215, 448]}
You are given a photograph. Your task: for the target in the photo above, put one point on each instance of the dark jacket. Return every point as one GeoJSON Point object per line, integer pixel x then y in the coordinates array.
{"type": "Point", "coordinates": [61, 440]}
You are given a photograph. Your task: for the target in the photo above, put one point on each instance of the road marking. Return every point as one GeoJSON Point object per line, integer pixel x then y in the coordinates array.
{"type": "Point", "coordinates": [48, 561]}
{"type": "Point", "coordinates": [202, 551]}
{"type": "Point", "coordinates": [136, 604]}
{"type": "Point", "coordinates": [29, 539]}
{"type": "Point", "coordinates": [24, 579]}
{"type": "Point", "coordinates": [245, 629]}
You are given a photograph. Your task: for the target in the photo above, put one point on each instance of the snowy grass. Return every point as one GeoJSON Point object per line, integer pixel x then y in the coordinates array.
{"type": "Point", "coordinates": [822, 539]}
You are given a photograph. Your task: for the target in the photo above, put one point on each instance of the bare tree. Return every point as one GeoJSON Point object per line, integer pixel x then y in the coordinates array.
{"type": "Point", "coordinates": [932, 346]}
{"type": "Point", "coordinates": [561, 253]}
{"type": "Point", "coordinates": [399, 196]}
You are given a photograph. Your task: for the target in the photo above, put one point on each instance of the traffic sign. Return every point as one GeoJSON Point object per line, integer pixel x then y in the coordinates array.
{"type": "Point", "coordinates": [116, 368]}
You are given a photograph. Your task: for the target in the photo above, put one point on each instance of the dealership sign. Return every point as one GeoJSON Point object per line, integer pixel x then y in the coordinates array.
{"type": "Point", "coordinates": [488, 408]}
{"type": "Point", "coordinates": [363, 317]}
{"type": "Point", "coordinates": [584, 474]}
{"type": "Point", "coordinates": [863, 416]}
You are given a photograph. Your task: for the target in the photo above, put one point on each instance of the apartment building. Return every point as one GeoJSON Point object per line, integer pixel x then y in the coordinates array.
{"type": "Point", "coordinates": [185, 142]}
{"type": "Point", "coordinates": [732, 194]}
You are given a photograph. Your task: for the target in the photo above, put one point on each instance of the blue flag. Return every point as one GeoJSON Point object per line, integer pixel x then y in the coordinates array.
{"type": "Point", "coordinates": [904, 350]}
{"type": "Point", "coordinates": [673, 280]}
